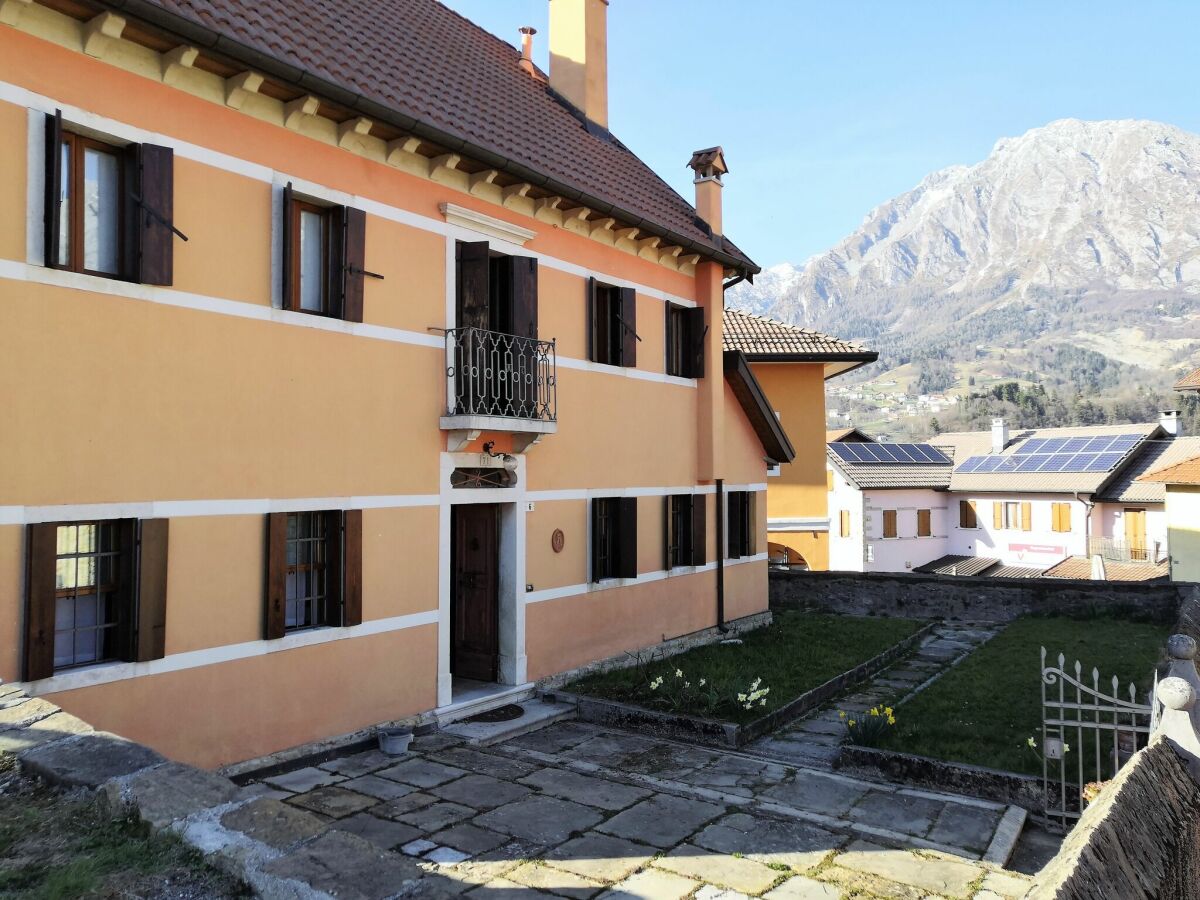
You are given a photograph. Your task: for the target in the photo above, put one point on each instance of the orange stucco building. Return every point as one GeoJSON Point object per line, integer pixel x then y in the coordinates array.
{"type": "Point", "coordinates": [792, 365]}
{"type": "Point", "coordinates": [336, 390]}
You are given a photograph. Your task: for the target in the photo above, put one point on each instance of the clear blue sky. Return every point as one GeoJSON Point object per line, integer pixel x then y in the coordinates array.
{"type": "Point", "coordinates": [827, 109]}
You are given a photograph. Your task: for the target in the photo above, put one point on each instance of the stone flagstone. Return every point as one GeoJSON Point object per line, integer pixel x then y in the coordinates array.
{"type": "Point", "coordinates": [600, 857]}
{"type": "Point", "coordinates": [555, 880]}
{"type": "Point", "coordinates": [939, 875]}
{"type": "Point", "coordinates": [344, 865]}
{"type": "Point", "coordinates": [652, 884]}
{"type": "Point", "coordinates": [662, 820]}
{"type": "Point", "coordinates": [542, 820]}
{"type": "Point", "coordinates": [732, 872]}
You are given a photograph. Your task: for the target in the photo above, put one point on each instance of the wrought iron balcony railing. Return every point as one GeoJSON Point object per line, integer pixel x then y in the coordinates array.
{"type": "Point", "coordinates": [500, 375]}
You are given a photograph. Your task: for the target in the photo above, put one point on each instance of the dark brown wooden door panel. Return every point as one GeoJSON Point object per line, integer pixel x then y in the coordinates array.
{"type": "Point", "coordinates": [475, 591]}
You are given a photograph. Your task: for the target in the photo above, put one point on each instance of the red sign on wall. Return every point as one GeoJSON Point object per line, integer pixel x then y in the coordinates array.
{"type": "Point", "coordinates": [1047, 549]}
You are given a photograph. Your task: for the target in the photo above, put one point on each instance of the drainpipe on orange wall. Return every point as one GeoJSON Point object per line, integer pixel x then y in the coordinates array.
{"type": "Point", "coordinates": [721, 554]}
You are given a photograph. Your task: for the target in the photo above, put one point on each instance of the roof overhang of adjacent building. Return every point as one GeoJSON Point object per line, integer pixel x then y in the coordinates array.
{"type": "Point", "coordinates": [758, 409]}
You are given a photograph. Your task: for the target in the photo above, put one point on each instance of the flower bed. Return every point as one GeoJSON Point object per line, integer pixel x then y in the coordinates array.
{"type": "Point", "coordinates": [732, 693]}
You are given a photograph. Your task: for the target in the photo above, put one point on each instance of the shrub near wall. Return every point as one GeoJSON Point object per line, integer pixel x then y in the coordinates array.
{"type": "Point", "coordinates": [976, 599]}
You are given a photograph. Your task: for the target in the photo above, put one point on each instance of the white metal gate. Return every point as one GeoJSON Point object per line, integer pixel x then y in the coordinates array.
{"type": "Point", "coordinates": [1087, 734]}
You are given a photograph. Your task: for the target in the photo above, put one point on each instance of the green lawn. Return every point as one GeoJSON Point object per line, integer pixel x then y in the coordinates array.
{"type": "Point", "coordinates": [796, 653]}
{"type": "Point", "coordinates": [55, 846]}
{"type": "Point", "coordinates": [983, 711]}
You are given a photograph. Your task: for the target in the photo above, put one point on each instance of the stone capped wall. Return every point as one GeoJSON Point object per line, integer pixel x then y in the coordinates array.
{"type": "Point", "coordinates": [1140, 839]}
{"type": "Point", "coordinates": [902, 594]}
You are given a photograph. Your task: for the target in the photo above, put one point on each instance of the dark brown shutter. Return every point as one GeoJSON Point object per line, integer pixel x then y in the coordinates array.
{"type": "Point", "coordinates": [125, 633]}
{"type": "Point", "coordinates": [351, 224]}
{"type": "Point", "coordinates": [352, 567]}
{"type": "Point", "coordinates": [699, 528]}
{"type": "Point", "coordinates": [593, 329]}
{"type": "Point", "coordinates": [152, 590]}
{"type": "Point", "coordinates": [628, 327]}
{"type": "Point", "coordinates": [666, 531]}
{"type": "Point", "coordinates": [524, 271]}
{"type": "Point", "coordinates": [275, 606]}
{"type": "Point", "coordinates": [749, 523]}
{"type": "Point", "coordinates": [693, 343]}
{"type": "Point", "coordinates": [53, 202]}
{"type": "Point", "coordinates": [155, 242]}
{"type": "Point", "coordinates": [40, 583]}
{"type": "Point", "coordinates": [733, 504]}
{"type": "Point", "coordinates": [595, 512]}
{"type": "Point", "coordinates": [288, 250]}
{"type": "Point", "coordinates": [474, 290]}
{"type": "Point", "coordinates": [627, 546]}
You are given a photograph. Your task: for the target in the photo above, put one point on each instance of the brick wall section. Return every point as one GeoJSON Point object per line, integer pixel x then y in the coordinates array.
{"type": "Point", "coordinates": [980, 599]}
{"type": "Point", "coordinates": [1140, 839]}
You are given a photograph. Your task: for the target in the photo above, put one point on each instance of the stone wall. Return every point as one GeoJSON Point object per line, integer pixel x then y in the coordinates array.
{"type": "Point", "coordinates": [904, 594]}
{"type": "Point", "coordinates": [1139, 840]}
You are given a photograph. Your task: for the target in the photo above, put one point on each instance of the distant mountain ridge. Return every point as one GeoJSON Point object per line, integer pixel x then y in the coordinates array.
{"type": "Point", "coordinates": [1086, 232]}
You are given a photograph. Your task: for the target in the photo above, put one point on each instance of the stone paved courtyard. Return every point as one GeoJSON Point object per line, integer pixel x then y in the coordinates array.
{"type": "Point", "coordinates": [575, 810]}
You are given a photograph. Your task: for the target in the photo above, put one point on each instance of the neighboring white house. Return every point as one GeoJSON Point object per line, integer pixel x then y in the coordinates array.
{"type": "Point", "coordinates": [1011, 504]}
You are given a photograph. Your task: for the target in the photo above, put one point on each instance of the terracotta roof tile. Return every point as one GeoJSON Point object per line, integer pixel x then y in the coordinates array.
{"type": "Point", "coordinates": [418, 59]}
{"type": "Point", "coordinates": [760, 337]}
{"type": "Point", "coordinates": [1081, 567]}
{"type": "Point", "coordinates": [1189, 382]}
{"type": "Point", "coordinates": [1186, 472]}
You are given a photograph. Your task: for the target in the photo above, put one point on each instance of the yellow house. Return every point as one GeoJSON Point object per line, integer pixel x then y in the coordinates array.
{"type": "Point", "coordinates": [1183, 516]}
{"type": "Point", "coordinates": [793, 364]}
{"type": "Point", "coordinates": [352, 370]}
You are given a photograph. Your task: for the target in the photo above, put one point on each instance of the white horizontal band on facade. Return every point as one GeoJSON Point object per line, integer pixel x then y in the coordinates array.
{"type": "Point", "coordinates": [591, 493]}
{"type": "Point", "coordinates": [801, 523]}
{"type": "Point", "coordinates": [171, 509]}
{"type": "Point", "coordinates": [20, 96]}
{"type": "Point", "coordinates": [574, 590]}
{"type": "Point", "coordinates": [106, 673]}
{"type": "Point", "coordinates": [13, 270]}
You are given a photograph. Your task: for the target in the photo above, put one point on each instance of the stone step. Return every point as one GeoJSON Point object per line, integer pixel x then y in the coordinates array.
{"type": "Point", "coordinates": [535, 714]}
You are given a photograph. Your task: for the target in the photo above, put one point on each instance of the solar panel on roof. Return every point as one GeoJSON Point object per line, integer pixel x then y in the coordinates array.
{"type": "Point", "coordinates": [1098, 444]}
{"type": "Point", "coordinates": [1107, 461]}
{"type": "Point", "coordinates": [889, 453]}
{"type": "Point", "coordinates": [1033, 445]}
{"type": "Point", "coordinates": [1073, 445]}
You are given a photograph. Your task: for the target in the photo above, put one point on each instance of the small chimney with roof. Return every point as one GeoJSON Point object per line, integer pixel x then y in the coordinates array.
{"type": "Point", "coordinates": [526, 61]}
{"type": "Point", "coordinates": [579, 55]}
{"type": "Point", "coordinates": [709, 166]}
{"type": "Point", "coordinates": [1168, 420]}
{"type": "Point", "coordinates": [999, 435]}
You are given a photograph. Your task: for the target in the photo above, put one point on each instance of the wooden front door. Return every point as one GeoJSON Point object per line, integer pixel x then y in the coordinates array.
{"type": "Point", "coordinates": [475, 591]}
{"type": "Point", "coordinates": [1135, 533]}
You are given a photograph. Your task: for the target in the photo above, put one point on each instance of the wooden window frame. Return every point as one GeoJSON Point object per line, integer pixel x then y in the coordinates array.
{"type": "Point", "coordinates": [343, 605]}
{"type": "Point", "coordinates": [613, 538]}
{"type": "Point", "coordinates": [684, 341]}
{"type": "Point", "coordinates": [891, 522]}
{"type": "Point", "coordinates": [924, 523]}
{"type": "Point", "coordinates": [968, 515]}
{"type": "Point", "coordinates": [740, 524]}
{"type": "Point", "coordinates": [612, 337]}
{"type": "Point", "coordinates": [844, 523]}
{"type": "Point", "coordinates": [295, 288]}
{"type": "Point", "coordinates": [679, 532]}
{"type": "Point", "coordinates": [72, 176]}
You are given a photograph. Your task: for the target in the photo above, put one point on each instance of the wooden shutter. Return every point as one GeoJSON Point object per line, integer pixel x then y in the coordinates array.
{"type": "Point", "coordinates": [275, 607]}
{"type": "Point", "coordinates": [1027, 517]}
{"type": "Point", "coordinates": [666, 532]}
{"type": "Point", "coordinates": [349, 236]}
{"type": "Point", "coordinates": [40, 570]}
{"type": "Point", "coordinates": [733, 505]}
{"type": "Point", "coordinates": [125, 632]}
{"type": "Point", "coordinates": [997, 514]}
{"type": "Point", "coordinates": [524, 271]}
{"type": "Point", "coordinates": [154, 240]}
{"type": "Point", "coordinates": [628, 326]}
{"type": "Point", "coordinates": [52, 211]}
{"type": "Point", "coordinates": [627, 546]}
{"type": "Point", "coordinates": [474, 288]}
{"type": "Point", "coordinates": [593, 329]}
{"type": "Point", "coordinates": [152, 590]}
{"type": "Point", "coordinates": [699, 529]}
{"type": "Point", "coordinates": [845, 522]}
{"type": "Point", "coordinates": [889, 523]}
{"type": "Point", "coordinates": [974, 513]}
{"type": "Point", "coordinates": [829, 479]}
{"type": "Point", "coordinates": [750, 522]}
{"type": "Point", "coordinates": [352, 613]}
{"type": "Point", "coordinates": [693, 343]}
{"type": "Point", "coordinates": [288, 248]}
{"type": "Point", "coordinates": [595, 512]}
{"type": "Point", "coordinates": [924, 523]}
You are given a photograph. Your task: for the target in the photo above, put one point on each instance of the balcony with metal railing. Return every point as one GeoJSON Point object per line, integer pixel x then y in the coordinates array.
{"type": "Point", "coordinates": [1114, 550]}
{"type": "Point", "coordinates": [499, 382]}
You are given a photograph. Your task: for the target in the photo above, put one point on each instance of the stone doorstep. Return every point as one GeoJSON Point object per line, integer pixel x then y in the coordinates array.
{"type": "Point", "coordinates": [537, 714]}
